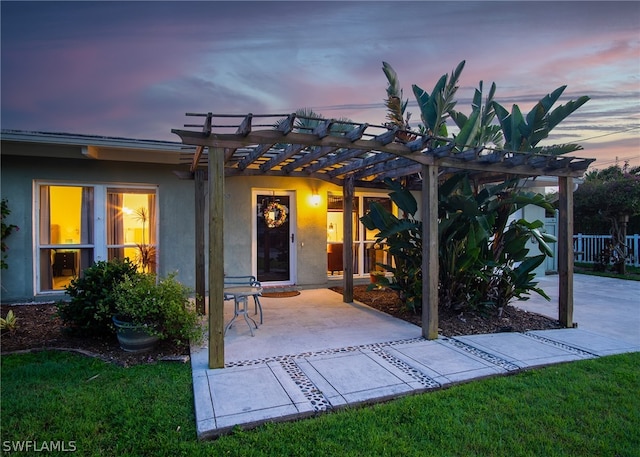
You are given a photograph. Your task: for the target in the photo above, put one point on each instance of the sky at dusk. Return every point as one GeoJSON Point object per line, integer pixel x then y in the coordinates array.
{"type": "Point", "coordinates": [133, 69]}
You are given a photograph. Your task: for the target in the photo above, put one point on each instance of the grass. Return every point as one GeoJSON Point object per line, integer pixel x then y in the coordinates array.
{"type": "Point", "coordinates": [632, 273]}
{"type": "Point", "coordinates": [589, 408]}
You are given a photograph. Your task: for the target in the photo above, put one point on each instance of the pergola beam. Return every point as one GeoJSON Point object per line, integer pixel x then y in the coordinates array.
{"type": "Point", "coordinates": [326, 155]}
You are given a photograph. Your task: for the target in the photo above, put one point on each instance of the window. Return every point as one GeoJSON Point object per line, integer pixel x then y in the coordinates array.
{"type": "Point", "coordinates": [365, 257]}
{"type": "Point", "coordinates": [80, 224]}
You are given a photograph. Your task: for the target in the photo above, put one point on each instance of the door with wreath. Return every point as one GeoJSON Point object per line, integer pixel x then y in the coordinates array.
{"type": "Point", "coordinates": [274, 250]}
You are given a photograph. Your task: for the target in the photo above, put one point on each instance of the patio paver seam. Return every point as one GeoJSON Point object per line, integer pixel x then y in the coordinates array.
{"type": "Point", "coordinates": [316, 398]}
{"type": "Point", "coordinates": [281, 358]}
{"type": "Point", "coordinates": [560, 345]}
{"type": "Point", "coordinates": [412, 371]}
{"type": "Point", "coordinates": [492, 358]}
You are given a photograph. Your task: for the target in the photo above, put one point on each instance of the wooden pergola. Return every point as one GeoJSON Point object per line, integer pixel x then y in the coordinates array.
{"type": "Point", "coordinates": [353, 155]}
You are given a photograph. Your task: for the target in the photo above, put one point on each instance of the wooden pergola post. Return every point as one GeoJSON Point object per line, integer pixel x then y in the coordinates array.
{"type": "Point", "coordinates": [347, 239]}
{"type": "Point", "coordinates": [565, 251]}
{"type": "Point", "coordinates": [430, 265]}
{"type": "Point", "coordinates": [216, 257]}
{"type": "Point", "coordinates": [199, 180]}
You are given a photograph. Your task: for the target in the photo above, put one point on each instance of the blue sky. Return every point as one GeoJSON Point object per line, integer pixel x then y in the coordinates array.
{"type": "Point", "coordinates": [133, 69]}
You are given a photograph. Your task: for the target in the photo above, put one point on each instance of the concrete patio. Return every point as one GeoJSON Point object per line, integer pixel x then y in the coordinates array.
{"type": "Point", "coordinates": [315, 353]}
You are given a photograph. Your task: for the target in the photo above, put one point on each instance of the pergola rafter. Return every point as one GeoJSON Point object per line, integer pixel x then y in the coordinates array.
{"type": "Point", "coordinates": [354, 155]}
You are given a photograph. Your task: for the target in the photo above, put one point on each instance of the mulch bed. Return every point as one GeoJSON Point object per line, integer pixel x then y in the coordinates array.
{"type": "Point", "coordinates": [38, 328]}
{"type": "Point", "coordinates": [452, 323]}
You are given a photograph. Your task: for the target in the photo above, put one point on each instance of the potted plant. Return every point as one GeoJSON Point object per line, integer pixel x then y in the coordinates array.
{"type": "Point", "coordinates": [375, 276]}
{"type": "Point", "coordinates": [149, 309]}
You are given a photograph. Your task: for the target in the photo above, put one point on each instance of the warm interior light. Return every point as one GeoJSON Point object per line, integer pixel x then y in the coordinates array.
{"type": "Point", "coordinates": [315, 200]}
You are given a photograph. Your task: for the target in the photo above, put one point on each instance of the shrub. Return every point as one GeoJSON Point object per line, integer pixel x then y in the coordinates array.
{"type": "Point", "coordinates": [162, 306]}
{"type": "Point", "coordinates": [10, 322]}
{"type": "Point", "coordinates": [6, 231]}
{"type": "Point", "coordinates": [92, 304]}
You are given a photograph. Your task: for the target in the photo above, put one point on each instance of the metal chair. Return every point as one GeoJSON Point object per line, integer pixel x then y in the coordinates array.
{"type": "Point", "coordinates": [231, 281]}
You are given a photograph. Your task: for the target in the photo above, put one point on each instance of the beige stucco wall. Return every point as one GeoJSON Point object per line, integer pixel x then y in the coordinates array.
{"type": "Point", "coordinates": [310, 226]}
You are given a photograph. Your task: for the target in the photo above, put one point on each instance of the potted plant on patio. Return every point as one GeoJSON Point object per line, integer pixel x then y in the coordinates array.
{"type": "Point", "coordinates": [149, 309]}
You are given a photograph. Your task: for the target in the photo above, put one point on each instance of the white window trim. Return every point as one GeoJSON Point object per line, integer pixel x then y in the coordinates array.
{"type": "Point", "coordinates": [99, 245]}
{"type": "Point", "coordinates": [361, 241]}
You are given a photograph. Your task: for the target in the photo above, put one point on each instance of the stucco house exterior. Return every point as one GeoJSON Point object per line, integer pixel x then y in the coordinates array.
{"type": "Point", "coordinates": [81, 198]}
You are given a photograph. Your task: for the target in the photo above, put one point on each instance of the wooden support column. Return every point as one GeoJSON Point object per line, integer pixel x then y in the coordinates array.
{"type": "Point", "coordinates": [216, 257]}
{"type": "Point", "coordinates": [565, 251]}
{"type": "Point", "coordinates": [199, 179]}
{"type": "Point", "coordinates": [430, 265]}
{"type": "Point", "coordinates": [347, 239]}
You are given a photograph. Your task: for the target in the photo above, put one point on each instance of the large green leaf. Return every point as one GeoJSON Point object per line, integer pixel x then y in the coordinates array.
{"type": "Point", "coordinates": [402, 197]}
{"type": "Point", "coordinates": [469, 131]}
{"type": "Point", "coordinates": [563, 111]}
{"type": "Point", "coordinates": [544, 105]}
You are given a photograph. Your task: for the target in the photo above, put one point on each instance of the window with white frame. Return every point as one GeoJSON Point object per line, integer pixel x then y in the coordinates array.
{"type": "Point", "coordinates": [365, 257]}
{"type": "Point", "coordinates": [78, 224]}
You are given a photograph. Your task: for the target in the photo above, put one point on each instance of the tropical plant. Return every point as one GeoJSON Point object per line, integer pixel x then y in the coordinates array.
{"type": "Point", "coordinates": [146, 253]}
{"type": "Point", "coordinates": [162, 306]}
{"type": "Point", "coordinates": [478, 129]}
{"type": "Point", "coordinates": [397, 114]}
{"type": "Point", "coordinates": [402, 239]}
{"type": "Point", "coordinates": [7, 229]}
{"type": "Point", "coordinates": [435, 107]}
{"type": "Point", "coordinates": [524, 133]}
{"type": "Point", "coordinates": [306, 121]}
{"type": "Point", "coordinates": [483, 259]}
{"type": "Point", "coordinates": [10, 322]}
{"type": "Point", "coordinates": [484, 262]}
{"type": "Point", "coordinates": [91, 305]}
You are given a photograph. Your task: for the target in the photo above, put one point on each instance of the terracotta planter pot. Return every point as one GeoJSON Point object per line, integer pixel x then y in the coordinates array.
{"type": "Point", "coordinates": [134, 338]}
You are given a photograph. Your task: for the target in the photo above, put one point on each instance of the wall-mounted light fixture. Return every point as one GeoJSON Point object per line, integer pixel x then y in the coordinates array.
{"type": "Point", "coordinates": [315, 200]}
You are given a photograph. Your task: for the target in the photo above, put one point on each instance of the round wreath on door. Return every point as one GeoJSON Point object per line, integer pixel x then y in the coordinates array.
{"type": "Point", "coordinates": [275, 214]}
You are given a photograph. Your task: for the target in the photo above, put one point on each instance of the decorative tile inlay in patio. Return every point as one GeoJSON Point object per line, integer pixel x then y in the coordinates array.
{"type": "Point", "coordinates": [286, 387]}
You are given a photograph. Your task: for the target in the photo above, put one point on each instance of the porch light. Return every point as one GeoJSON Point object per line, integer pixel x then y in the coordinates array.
{"type": "Point", "coordinates": [315, 200]}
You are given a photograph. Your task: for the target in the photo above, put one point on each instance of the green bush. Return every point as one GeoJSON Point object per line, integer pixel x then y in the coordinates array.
{"type": "Point", "coordinates": [6, 231]}
{"type": "Point", "coordinates": [162, 306]}
{"type": "Point", "coordinates": [92, 304]}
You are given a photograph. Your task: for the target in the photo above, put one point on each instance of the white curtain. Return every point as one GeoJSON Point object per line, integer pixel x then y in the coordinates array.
{"type": "Point", "coordinates": [152, 219]}
{"type": "Point", "coordinates": [86, 228]}
{"type": "Point", "coordinates": [115, 224]}
{"type": "Point", "coordinates": [46, 255]}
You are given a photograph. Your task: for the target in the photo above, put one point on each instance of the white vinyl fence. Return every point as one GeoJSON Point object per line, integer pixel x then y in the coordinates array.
{"type": "Point", "coordinates": [587, 248]}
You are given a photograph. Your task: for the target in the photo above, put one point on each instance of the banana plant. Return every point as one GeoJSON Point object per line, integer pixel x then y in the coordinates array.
{"type": "Point", "coordinates": [476, 271]}
{"type": "Point", "coordinates": [435, 107]}
{"type": "Point", "coordinates": [524, 133]}
{"type": "Point", "coordinates": [478, 129]}
{"type": "Point", "coordinates": [402, 239]}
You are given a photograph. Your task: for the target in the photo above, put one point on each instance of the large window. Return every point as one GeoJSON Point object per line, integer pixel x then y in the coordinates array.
{"type": "Point", "coordinates": [80, 224]}
{"type": "Point", "coordinates": [365, 257]}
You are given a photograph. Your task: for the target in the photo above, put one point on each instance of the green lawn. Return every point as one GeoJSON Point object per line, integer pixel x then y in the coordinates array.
{"type": "Point", "coordinates": [632, 273]}
{"type": "Point", "coordinates": [589, 408]}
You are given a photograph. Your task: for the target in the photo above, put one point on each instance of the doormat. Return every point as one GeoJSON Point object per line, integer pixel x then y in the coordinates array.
{"type": "Point", "coordinates": [285, 294]}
